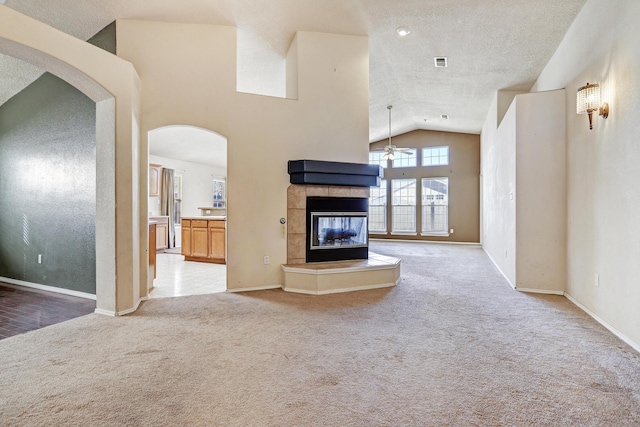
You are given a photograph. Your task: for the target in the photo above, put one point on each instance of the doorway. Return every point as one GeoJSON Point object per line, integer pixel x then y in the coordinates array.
{"type": "Point", "coordinates": [192, 161]}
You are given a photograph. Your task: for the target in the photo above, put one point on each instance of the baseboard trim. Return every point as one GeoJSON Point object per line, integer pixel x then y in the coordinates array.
{"type": "Point", "coordinates": [600, 320]}
{"type": "Point", "coordinates": [256, 288]}
{"type": "Point", "coordinates": [118, 313]}
{"type": "Point", "coordinates": [539, 291]}
{"type": "Point", "coordinates": [18, 284]}
{"type": "Point", "coordinates": [444, 242]}
{"type": "Point", "coordinates": [499, 269]}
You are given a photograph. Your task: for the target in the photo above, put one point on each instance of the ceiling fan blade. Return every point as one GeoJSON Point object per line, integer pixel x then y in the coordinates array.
{"type": "Point", "coordinates": [404, 150]}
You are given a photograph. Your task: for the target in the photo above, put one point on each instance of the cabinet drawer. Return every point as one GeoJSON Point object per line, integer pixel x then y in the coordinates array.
{"type": "Point", "coordinates": [199, 223]}
{"type": "Point", "coordinates": [186, 223]}
{"type": "Point", "coordinates": [216, 224]}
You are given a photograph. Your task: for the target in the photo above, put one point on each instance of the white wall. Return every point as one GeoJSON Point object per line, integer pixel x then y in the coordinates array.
{"type": "Point", "coordinates": [603, 199]}
{"type": "Point", "coordinates": [189, 77]}
{"type": "Point", "coordinates": [197, 186]}
{"type": "Point", "coordinates": [498, 169]}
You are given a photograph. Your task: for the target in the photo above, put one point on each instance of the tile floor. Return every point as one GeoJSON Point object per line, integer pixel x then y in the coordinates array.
{"type": "Point", "coordinates": [177, 277]}
{"type": "Point", "coordinates": [27, 310]}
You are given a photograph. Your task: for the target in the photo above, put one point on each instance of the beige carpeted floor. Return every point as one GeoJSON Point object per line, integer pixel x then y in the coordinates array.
{"type": "Point", "coordinates": [451, 345]}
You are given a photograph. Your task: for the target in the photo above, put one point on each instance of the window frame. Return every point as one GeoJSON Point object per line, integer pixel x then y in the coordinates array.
{"type": "Point", "coordinates": [381, 194]}
{"type": "Point", "coordinates": [401, 155]}
{"type": "Point", "coordinates": [444, 232]}
{"type": "Point", "coordinates": [381, 161]}
{"type": "Point", "coordinates": [414, 205]}
{"type": "Point", "coordinates": [435, 147]}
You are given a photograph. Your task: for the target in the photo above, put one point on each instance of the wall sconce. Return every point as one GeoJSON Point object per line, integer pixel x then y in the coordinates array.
{"type": "Point", "coordinates": [588, 101]}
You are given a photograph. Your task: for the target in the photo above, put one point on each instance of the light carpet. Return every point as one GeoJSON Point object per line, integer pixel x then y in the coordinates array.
{"type": "Point", "coordinates": [451, 345]}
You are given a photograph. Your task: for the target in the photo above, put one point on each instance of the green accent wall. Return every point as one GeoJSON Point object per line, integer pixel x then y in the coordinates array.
{"type": "Point", "coordinates": [48, 183]}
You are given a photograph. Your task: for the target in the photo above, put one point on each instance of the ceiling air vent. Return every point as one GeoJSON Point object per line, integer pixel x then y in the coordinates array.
{"type": "Point", "coordinates": [440, 61]}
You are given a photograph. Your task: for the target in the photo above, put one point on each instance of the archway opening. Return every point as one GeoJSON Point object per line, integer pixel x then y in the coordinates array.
{"type": "Point", "coordinates": [187, 211]}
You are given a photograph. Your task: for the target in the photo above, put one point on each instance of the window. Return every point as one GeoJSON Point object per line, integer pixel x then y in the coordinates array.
{"type": "Point", "coordinates": [405, 158]}
{"type": "Point", "coordinates": [403, 202]}
{"type": "Point", "coordinates": [219, 193]}
{"type": "Point", "coordinates": [377, 158]}
{"type": "Point", "coordinates": [177, 198]}
{"type": "Point", "coordinates": [378, 208]}
{"type": "Point", "coordinates": [435, 156]}
{"type": "Point", "coordinates": [435, 205]}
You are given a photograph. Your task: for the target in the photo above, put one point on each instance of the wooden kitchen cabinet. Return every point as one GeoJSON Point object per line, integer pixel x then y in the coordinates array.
{"type": "Point", "coordinates": [216, 240]}
{"type": "Point", "coordinates": [155, 178]}
{"type": "Point", "coordinates": [186, 237]}
{"type": "Point", "coordinates": [199, 242]}
{"type": "Point", "coordinates": [162, 231]}
{"type": "Point", "coordinates": [204, 240]}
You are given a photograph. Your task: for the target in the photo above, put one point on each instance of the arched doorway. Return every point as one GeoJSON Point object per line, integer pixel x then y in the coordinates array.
{"type": "Point", "coordinates": [192, 163]}
{"type": "Point", "coordinates": [113, 85]}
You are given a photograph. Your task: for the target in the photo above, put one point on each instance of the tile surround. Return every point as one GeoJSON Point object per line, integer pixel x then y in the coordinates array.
{"type": "Point", "coordinates": [296, 213]}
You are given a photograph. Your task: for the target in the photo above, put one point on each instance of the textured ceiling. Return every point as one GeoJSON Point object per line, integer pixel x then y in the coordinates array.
{"type": "Point", "coordinates": [490, 45]}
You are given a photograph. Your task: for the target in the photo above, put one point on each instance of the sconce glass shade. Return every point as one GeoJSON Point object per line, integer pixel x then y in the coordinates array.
{"type": "Point", "coordinates": [588, 99]}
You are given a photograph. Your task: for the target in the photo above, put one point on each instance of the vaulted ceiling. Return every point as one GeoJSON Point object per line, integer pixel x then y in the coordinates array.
{"type": "Point", "coordinates": [489, 45]}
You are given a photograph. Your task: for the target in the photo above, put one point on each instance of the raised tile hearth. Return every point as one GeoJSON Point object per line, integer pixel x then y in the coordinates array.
{"type": "Point", "coordinates": [317, 278]}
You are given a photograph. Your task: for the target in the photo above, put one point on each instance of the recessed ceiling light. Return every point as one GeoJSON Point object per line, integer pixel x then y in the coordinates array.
{"type": "Point", "coordinates": [444, 116]}
{"type": "Point", "coordinates": [403, 31]}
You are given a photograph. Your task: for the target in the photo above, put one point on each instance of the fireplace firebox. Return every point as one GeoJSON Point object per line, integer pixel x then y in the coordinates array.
{"type": "Point", "coordinates": [337, 229]}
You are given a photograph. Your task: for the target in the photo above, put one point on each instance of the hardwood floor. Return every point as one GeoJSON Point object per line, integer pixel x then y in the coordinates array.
{"type": "Point", "coordinates": [23, 310]}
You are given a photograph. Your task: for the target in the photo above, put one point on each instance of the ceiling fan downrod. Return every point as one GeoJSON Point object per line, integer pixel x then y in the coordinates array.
{"type": "Point", "coordinates": [389, 107]}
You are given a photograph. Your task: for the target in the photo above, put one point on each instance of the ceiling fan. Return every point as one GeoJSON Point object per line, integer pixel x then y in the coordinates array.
{"type": "Point", "coordinates": [391, 149]}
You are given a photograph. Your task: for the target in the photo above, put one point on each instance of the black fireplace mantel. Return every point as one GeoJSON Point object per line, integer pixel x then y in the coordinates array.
{"type": "Point", "coordinates": [318, 172]}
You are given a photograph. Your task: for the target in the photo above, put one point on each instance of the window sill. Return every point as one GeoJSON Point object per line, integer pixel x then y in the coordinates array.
{"type": "Point", "coordinates": [401, 233]}
{"type": "Point", "coordinates": [443, 234]}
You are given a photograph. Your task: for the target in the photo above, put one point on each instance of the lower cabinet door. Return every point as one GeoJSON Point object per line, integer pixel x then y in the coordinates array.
{"type": "Point", "coordinates": [199, 242]}
{"type": "Point", "coordinates": [217, 243]}
{"type": "Point", "coordinates": [186, 241]}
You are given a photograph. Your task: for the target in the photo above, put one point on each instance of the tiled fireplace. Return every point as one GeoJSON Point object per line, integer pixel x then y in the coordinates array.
{"type": "Point", "coordinates": [327, 236]}
{"type": "Point", "coordinates": [297, 239]}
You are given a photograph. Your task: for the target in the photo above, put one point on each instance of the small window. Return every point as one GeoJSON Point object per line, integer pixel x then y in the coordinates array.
{"type": "Point", "coordinates": [377, 158]}
{"type": "Point", "coordinates": [219, 193]}
{"type": "Point", "coordinates": [378, 208]}
{"type": "Point", "coordinates": [435, 156]}
{"type": "Point", "coordinates": [405, 158]}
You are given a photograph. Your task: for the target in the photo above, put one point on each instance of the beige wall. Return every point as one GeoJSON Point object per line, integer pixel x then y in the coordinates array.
{"type": "Point", "coordinates": [188, 75]}
{"type": "Point", "coordinates": [540, 195]}
{"type": "Point", "coordinates": [463, 172]}
{"type": "Point", "coordinates": [523, 169]}
{"type": "Point", "coordinates": [603, 200]}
